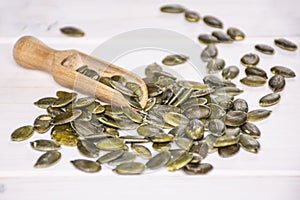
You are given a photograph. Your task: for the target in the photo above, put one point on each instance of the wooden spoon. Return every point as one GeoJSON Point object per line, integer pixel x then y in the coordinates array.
{"type": "Point", "coordinates": [31, 53]}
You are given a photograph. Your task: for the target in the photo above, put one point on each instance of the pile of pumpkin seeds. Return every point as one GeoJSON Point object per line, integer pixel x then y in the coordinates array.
{"type": "Point", "coordinates": [181, 124]}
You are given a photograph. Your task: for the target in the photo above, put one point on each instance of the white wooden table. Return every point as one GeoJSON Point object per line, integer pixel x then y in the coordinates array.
{"type": "Point", "coordinates": [273, 173]}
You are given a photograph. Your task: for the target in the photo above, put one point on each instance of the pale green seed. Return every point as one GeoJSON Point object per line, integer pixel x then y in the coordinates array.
{"type": "Point", "coordinates": [47, 159]}
{"type": "Point", "coordinates": [22, 133]}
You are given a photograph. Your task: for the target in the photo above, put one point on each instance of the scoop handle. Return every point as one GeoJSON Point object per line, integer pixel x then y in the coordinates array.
{"type": "Point", "coordinates": [30, 52]}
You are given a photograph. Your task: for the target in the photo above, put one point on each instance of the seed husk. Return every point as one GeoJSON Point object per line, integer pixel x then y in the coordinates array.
{"type": "Point", "coordinates": [87, 148]}
{"type": "Point", "coordinates": [210, 52]}
{"type": "Point", "coordinates": [236, 34]}
{"type": "Point", "coordinates": [66, 117]}
{"type": "Point", "coordinates": [175, 119]}
{"type": "Point", "coordinates": [132, 168]}
{"type": "Point", "coordinates": [255, 71]}
{"type": "Point", "coordinates": [191, 16]}
{"type": "Point", "coordinates": [258, 114]}
{"type": "Point", "coordinates": [253, 81]}
{"type": "Point", "coordinates": [47, 159]}
{"type": "Point", "coordinates": [197, 168]}
{"type": "Point", "coordinates": [42, 123]}
{"type": "Point", "coordinates": [250, 129]}
{"type": "Point", "coordinates": [126, 157]}
{"type": "Point", "coordinates": [86, 165]}
{"type": "Point", "coordinates": [207, 39]}
{"type": "Point", "coordinates": [158, 160]}
{"type": "Point", "coordinates": [22, 133]}
{"type": "Point", "coordinates": [141, 151]}
{"type": "Point", "coordinates": [235, 118]}
{"type": "Point", "coordinates": [285, 44]}
{"type": "Point", "coordinates": [226, 140]}
{"type": "Point", "coordinates": [241, 105]}
{"type": "Point", "coordinates": [172, 8]}
{"type": "Point", "coordinates": [174, 59]}
{"type": "Point", "coordinates": [216, 127]}
{"type": "Point", "coordinates": [250, 60]}
{"type": "Point", "coordinates": [110, 156]}
{"type": "Point", "coordinates": [212, 21]}
{"type": "Point", "coordinates": [228, 151]}
{"type": "Point", "coordinates": [266, 49]}
{"type": "Point", "coordinates": [44, 145]}
{"type": "Point", "coordinates": [180, 162]}
{"type": "Point", "coordinates": [222, 37]}
{"type": "Point", "coordinates": [277, 83]}
{"type": "Point", "coordinates": [110, 144]}
{"type": "Point", "coordinates": [215, 65]}
{"type": "Point", "coordinates": [72, 31]}
{"type": "Point", "coordinates": [45, 102]}
{"type": "Point", "coordinates": [195, 129]}
{"type": "Point", "coordinates": [249, 143]}
{"type": "Point", "coordinates": [269, 99]}
{"type": "Point", "coordinates": [230, 72]}
{"type": "Point", "coordinates": [283, 71]}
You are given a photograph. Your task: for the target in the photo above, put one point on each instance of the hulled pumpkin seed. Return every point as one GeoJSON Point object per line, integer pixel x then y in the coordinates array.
{"type": "Point", "coordinates": [148, 130]}
{"type": "Point", "coordinates": [175, 119]}
{"type": "Point", "coordinates": [232, 131]}
{"type": "Point", "coordinates": [110, 156]}
{"type": "Point", "coordinates": [88, 148]}
{"type": "Point", "coordinates": [134, 139]}
{"type": "Point", "coordinates": [163, 137]}
{"type": "Point", "coordinates": [250, 129]}
{"type": "Point", "coordinates": [172, 9]}
{"type": "Point", "coordinates": [83, 102]}
{"type": "Point", "coordinates": [64, 98]}
{"type": "Point", "coordinates": [257, 115]}
{"type": "Point", "coordinates": [250, 60]}
{"type": "Point", "coordinates": [216, 127]}
{"type": "Point", "coordinates": [180, 162]}
{"type": "Point", "coordinates": [226, 140]}
{"type": "Point", "coordinates": [191, 16]}
{"type": "Point", "coordinates": [126, 157]}
{"type": "Point", "coordinates": [72, 31]}
{"type": "Point", "coordinates": [44, 145]}
{"type": "Point", "coordinates": [66, 117]}
{"type": "Point", "coordinates": [184, 143]}
{"type": "Point", "coordinates": [197, 112]}
{"type": "Point", "coordinates": [197, 168]}
{"type": "Point", "coordinates": [207, 39]}
{"type": "Point", "coordinates": [84, 128]}
{"type": "Point", "coordinates": [136, 88]}
{"type": "Point", "coordinates": [161, 146]}
{"type": "Point", "coordinates": [228, 151]}
{"type": "Point", "coordinates": [110, 144]}
{"type": "Point", "coordinates": [210, 141]}
{"type": "Point", "coordinates": [22, 133]}
{"type": "Point", "coordinates": [158, 160]}
{"type": "Point", "coordinates": [132, 168]}
{"type": "Point", "coordinates": [255, 71]}
{"type": "Point", "coordinates": [45, 102]}
{"type": "Point", "coordinates": [232, 91]}
{"type": "Point", "coordinates": [241, 105]}
{"type": "Point", "coordinates": [212, 21]}
{"type": "Point", "coordinates": [249, 143]}
{"type": "Point", "coordinates": [132, 114]}
{"type": "Point", "coordinates": [283, 71]}
{"type": "Point", "coordinates": [266, 49]}
{"type": "Point", "coordinates": [53, 112]}
{"type": "Point", "coordinates": [285, 44]}
{"type": "Point", "coordinates": [200, 148]}
{"type": "Point", "coordinates": [123, 89]}
{"type": "Point", "coordinates": [277, 83]}
{"type": "Point", "coordinates": [42, 123]}
{"type": "Point", "coordinates": [230, 72]}
{"type": "Point", "coordinates": [174, 59]}
{"type": "Point", "coordinates": [215, 65]}
{"type": "Point", "coordinates": [269, 99]}
{"type": "Point", "coordinates": [64, 137]}
{"type": "Point", "coordinates": [86, 165]}
{"type": "Point", "coordinates": [217, 112]}
{"type": "Point", "coordinates": [235, 118]}
{"type": "Point", "coordinates": [193, 102]}
{"type": "Point", "coordinates": [236, 34]}
{"type": "Point", "coordinates": [47, 159]}
{"type": "Point", "coordinates": [210, 52]}
{"type": "Point", "coordinates": [195, 129]}
{"type": "Point", "coordinates": [253, 81]}
{"type": "Point", "coordinates": [141, 151]}
{"type": "Point", "coordinates": [222, 37]}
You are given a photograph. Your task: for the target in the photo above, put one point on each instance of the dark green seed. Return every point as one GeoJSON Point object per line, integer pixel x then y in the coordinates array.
{"type": "Point", "coordinates": [250, 129]}
{"type": "Point", "coordinates": [212, 21]}
{"type": "Point", "coordinates": [207, 39]}
{"type": "Point", "coordinates": [230, 72]}
{"type": "Point", "coordinates": [235, 118]}
{"type": "Point", "coordinates": [236, 34]}
{"type": "Point", "coordinates": [22, 133]}
{"type": "Point", "coordinates": [269, 99]}
{"type": "Point", "coordinates": [253, 81]}
{"type": "Point", "coordinates": [255, 71]}
{"type": "Point", "coordinates": [241, 105]}
{"type": "Point", "coordinates": [47, 159]}
{"type": "Point", "coordinates": [283, 71]}
{"type": "Point", "coordinates": [228, 151]}
{"type": "Point", "coordinates": [191, 16]}
{"type": "Point", "coordinates": [210, 52]}
{"type": "Point", "coordinates": [44, 145]}
{"type": "Point", "coordinates": [66, 117]}
{"type": "Point", "coordinates": [257, 115]}
{"type": "Point", "coordinates": [86, 165]}
{"type": "Point", "coordinates": [174, 59]}
{"type": "Point", "coordinates": [42, 123]}
{"type": "Point", "coordinates": [222, 37]}
{"type": "Point", "coordinates": [285, 44]}
{"type": "Point", "coordinates": [277, 83]}
{"type": "Point", "coordinates": [72, 31]}
{"type": "Point", "coordinates": [172, 9]}
{"type": "Point", "coordinates": [266, 49]}
{"type": "Point", "coordinates": [197, 168]}
{"type": "Point", "coordinates": [250, 60]}
{"type": "Point", "coordinates": [249, 143]}
{"type": "Point", "coordinates": [215, 65]}
{"type": "Point", "coordinates": [45, 102]}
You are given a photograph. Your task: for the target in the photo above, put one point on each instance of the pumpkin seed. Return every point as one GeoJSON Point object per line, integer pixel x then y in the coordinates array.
{"type": "Point", "coordinates": [86, 165]}
{"type": "Point", "coordinates": [172, 9]}
{"type": "Point", "coordinates": [126, 157]}
{"type": "Point", "coordinates": [166, 96]}
{"type": "Point", "coordinates": [197, 112]}
{"type": "Point", "coordinates": [44, 145]}
{"type": "Point", "coordinates": [148, 130]}
{"type": "Point", "coordinates": [228, 90]}
{"type": "Point", "coordinates": [64, 137]}
{"type": "Point", "coordinates": [123, 89]}
{"type": "Point", "coordinates": [180, 162]}
{"type": "Point", "coordinates": [184, 143]}
{"type": "Point", "coordinates": [236, 34]}
{"type": "Point", "coordinates": [250, 129]}
{"type": "Point", "coordinates": [45, 102]}
{"type": "Point", "coordinates": [87, 148]}
{"type": "Point", "coordinates": [199, 148]}
{"type": "Point", "coordinates": [22, 133]}
{"type": "Point", "coordinates": [277, 83]}
{"type": "Point", "coordinates": [240, 105]}
{"type": "Point", "coordinates": [233, 131]}
{"type": "Point", "coordinates": [222, 37]}
{"type": "Point", "coordinates": [207, 39]}
{"type": "Point", "coordinates": [134, 139]}
{"type": "Point", "coordinates": [136, 88]}
{"type": "Point", "coordinates": [42, 123]}
{"type": "Point", "coordinates": [269, 99]}
{"type": "Point", "coordinates": [210, 52]}
{"type": "Point", "coordinates": [193, 102]}
{"type": "Point", "coordinates": [257, 115]}
{"type": "Point", "coordinates": [110, 156]}
{"type": "Point", "coordinates": [192, 85]}
{"type": "Point", "coordinates": [83, 102]}
{"type": "Point", "coordinates": [226, 140]}
{"type": "Point", "coordinates": [64, 98]}
{"type": "Point", "coordinates": [174, 59]}
{"type": "Point", "coordinates": [224, 101]}
{"type": "Point", "coordinates": [215, 65]}
{"type": "Point", "coordinates": [66, 117]}
{"type": "Point", "coordinates": [141, 151]}
{"type": "Point", "coordinates": [110, 144]}
{"type": "Point", "coordinates": [217, 112]}
{"type": "Point", "coordinates": [119, 78]}
{"type": "Point", "coordinates": [285, 44]}
{"type": "Point", "coordinates": [175, 119]}
{"type": "Point", "coordinates": [253, 81]}
{"type": "Point", "coordinates": [210, 141]}
{"type": "Point", "coordinates": [212, 21]}
{"type": "Point", "coordinates": [132, 168]}
{"type": "Point", "coordinates": [132, 115]}
{"type": "Point", "coordinates": [152, 67]}
{"type": "Point", "coordinates": [235, 118]}
{"type": "Point", "coordinates": [266, 49]}
{"type": "Point", "coordinates": [84, 128]}
{"type": "Point", "coordinates": [250, 60]}
{"type": "Point", "coordinates": [92, 74]}
{"type": "Point", "coordinates": [228, 151]}
{"type": "Point", "coordinates": [162, 137]}
{"type": "Point", "coordinates": [195, 129]}
{"type": "Point", "coordinates": [283, 71]}
{"type": "Point", "coordinates": [216, 127]}
{"type": "Point", "coordinates": [47, 159]}
{"type": "Point", "coordinates": [158, 160]}
{"type": "Point", "coordinates": [82, 69]}
{"type": "Point", "coordinates": [230, 72]}
{"type": "Point", "coordinates": [72, 31]}
{"type": "Point", "coordinates": [191, 16]}
{"type": "Point", "coordinates": [255, 71]}
{"type": "Point", "coordinates": [197, 168]}
{"type": "Point", "coordinates": [53, 112]}
{"type": "Point", "coordinates": [249, 143]}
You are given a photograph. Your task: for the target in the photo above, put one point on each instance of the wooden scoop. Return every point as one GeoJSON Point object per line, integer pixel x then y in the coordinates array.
{"type": "Point", "coordinates": [31, 53]}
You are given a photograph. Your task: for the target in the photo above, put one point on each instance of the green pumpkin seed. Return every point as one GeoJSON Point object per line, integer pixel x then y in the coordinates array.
{"type": "Point", "coordinates": [277, 83]}
{"type": "Point", "coordinates": [193, 102]}
{"type": "Point", "coordinates": [199, 148]}
{"type": "Point", "coordinates": [83, 102]}
{"type": "Point", "coordinates": [180, 162]}
{"type": "Point", "coordinates": [110, 156]}
{"type": "Point", "coordinates": [197, 112]}
{"type": "Point", "coordinates": [235, 118]}
{"type": "Point", "coordinates": [132, 114]}
{"type": "Point", "coordinates": [216, 111]}
{"type": "Point", "coordinates": [210, 52]}
{"type": "Point", "coordinates": [250, 60]}
{"type": "Point", "coordinates": [47, 159]}
{"type": "Point", "coordinates": [266, 49]}
{"type": "Point", "coordinates": [159, 160]}
{"type": "Point", "coordinates": [141, 151]}
{"type": "Point", "coordinates": [197, 168]}
{"type": "Point", "coordinates": [184, 143]}
{"type": "Point", "coordinates": [255, 71]}
{"type": "Point", "coordinates": [44, 145]}
{"type": "Point", "coordinates": [249, 143]}
{"type": "Point", "coordinates": [174, 59]}
{"type": "Point", "coordinates": [195, 129]}
{"type": "Point", "coordinates": [162, 138]}
{"type": "Point", "coordinates": [84, 128]}
{"type": "Point", "coordinates": [152, 67]}
{"type": "Point", "coordinates": [136, 88]}
{"type": "Point", "coordinates": [269, 99]}
{"type": "Point", "coordinates": [22, 133]}
{"type": "Point", "coordinates": [45, 102]}
{"type": "Point", "coordinates": [213, 81]}
{"type": "Point", "coordinates": [148, 130]}
{"type": "Point", "coordinates": [119, 78]}
{"type": "Point", "coordinates": [283, 71]}
{"type": "Point", "coordinates": [92, 74]}
{"type": "Point", "coordinates": [134, 139]}
{"type": "Point", "coordinates": [86, 165]}
{"type": "Point", "coordinates": [172, 8]}
{"type": "Point", "coordinates": [72, 31]}
{"type": "Point", "coordinates": [66, 117]}
{"type": "Point", "coordinates": [212, 21]}
{"type": "Point", "coordinates": [226, 140]}
{"type": "Point", "coordinates": [192, 85]}
{"type": "Point", "coordinates": [236, 34]}
{"type": "Point", "coordinates": [224, 101]}
{"type": "Point", "coordinates": [210, 141]}
{"type": "Point", "coordinates": [215, 65]}
{"type": "Point", "coordinates": [207, 39]}
{"type": "Point", "coordinates": [285, 44]}
{"type": "Point", "coordinates": [233, 131]}
{"type": "Point", "coordinates": [53, 112]}
{"type": "Point", "coordinates": [240, 105]}
{"type": "Point", "coordinates": [216, 127]}
{"type": "Point", "coordinates": [65, 137]}
{"type": "Point", "coordinates": [232, 91]}
{"type": "Point", "coordinates": [175, 119]}
{"type": "Point", "coordinates": [126, 157]}
{"type": "Point", "coordinates": [161, 146]}
{"type": "Point", "coordinates": [253, 81]}
{"type": "Point", "coordinates": [64, 98]}
{"type": "Point", "coordinates": [257, 115]}
{"type": "Point", "coordinates": [230, 72]}
{"type": "Point", "coordinates": [87, 148]}
{"type": "Point", "coordinates": [166, 96]}
{"type": "Point", "coordinates": [250, 129]}
{"type": "Point", "coordinates": [110, 144]}
{"type": "Point", "coordinates": [133, 168]}
{"type": "Point", "coordinates": [222, 37]}
{"type": "Point", "coordinates": [228, 151]}
{"type": "Point", "coordinates": [42, 123]}
{"type": "Point", "coordinates": [123, 89]}
{"type": "Point", "coordinates": [201, 93]}
{"type": "Point", "coordinates": [178, 131]}
{"type": "Point", "coordinates": [82, 69]}
{"type": "Point", "coordinates": [191, 16]}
